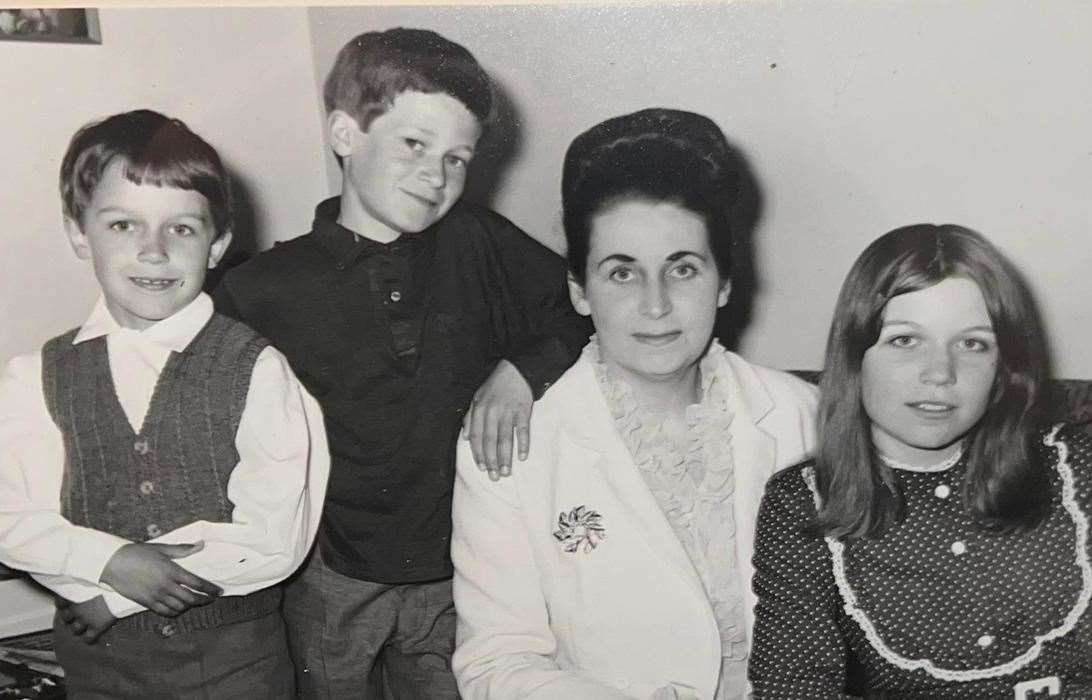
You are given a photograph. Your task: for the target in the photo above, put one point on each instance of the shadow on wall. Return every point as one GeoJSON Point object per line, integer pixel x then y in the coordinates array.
{"type": "Point", "coordinates": [733, 319]}
{"type": "Point", "coordinates": [500, 144]}
{"type": "Point", "coordinates": [245, 235]}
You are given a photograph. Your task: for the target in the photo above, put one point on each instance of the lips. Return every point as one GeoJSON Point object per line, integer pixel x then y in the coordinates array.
{"type": "Point", "coordinates": [932, 409]}
{"type": "Point", "coordinates": [426, 201]}
{"type": "Point", "coordinates": [657, 339]}
{"type": "Point", "coordinates": [153, 284]}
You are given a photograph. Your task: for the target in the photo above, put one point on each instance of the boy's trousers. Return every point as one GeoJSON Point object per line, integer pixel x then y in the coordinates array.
{"type": "Point", "coordinates": [244, 660]}
{"type": "Point", "coordinates": [373, 641]}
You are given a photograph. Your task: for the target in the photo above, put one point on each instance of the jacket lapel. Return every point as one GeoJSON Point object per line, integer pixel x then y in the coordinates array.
{"type": "Point", "coordinates": [590, 439]}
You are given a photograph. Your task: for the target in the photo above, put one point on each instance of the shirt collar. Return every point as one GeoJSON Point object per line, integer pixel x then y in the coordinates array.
{"type": "Point", "coordinates": [345, 246]}
{"type": "Point", "coordinates": [173, 333]}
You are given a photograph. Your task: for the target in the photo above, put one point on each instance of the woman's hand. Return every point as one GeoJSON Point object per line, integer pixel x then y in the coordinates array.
{"type": "Point", "coordinates": [501, 405]}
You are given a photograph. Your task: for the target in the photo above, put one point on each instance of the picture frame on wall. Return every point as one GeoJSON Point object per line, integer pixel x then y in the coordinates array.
{"type": "Point", "coordinates": [53, 25]}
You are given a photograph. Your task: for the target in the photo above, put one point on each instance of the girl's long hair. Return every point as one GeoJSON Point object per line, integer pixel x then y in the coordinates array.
{"type": "Point", "coordinates": [1004, 488]}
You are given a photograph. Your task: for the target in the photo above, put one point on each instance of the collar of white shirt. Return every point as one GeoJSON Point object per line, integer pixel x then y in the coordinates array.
{"type": "Point", "coordinates": [173, 333]}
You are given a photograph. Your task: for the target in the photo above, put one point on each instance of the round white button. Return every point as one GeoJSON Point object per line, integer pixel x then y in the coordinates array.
{"type": "Point", "coordinates": [154, 531]}
{"type": "Point", "coordinates": [396, 296]}
{"type": "Point", "coordinates": [147, 487]}
{"type": "Point", "coordinates": [985, 641]}
{"type": "Point", "coordinates": [958, 548]}
{"type": "Point", "coordinates": [942, 491]}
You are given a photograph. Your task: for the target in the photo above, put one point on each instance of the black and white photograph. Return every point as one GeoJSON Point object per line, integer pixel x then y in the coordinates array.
{"type": "Point", "coordinates": [595, 350]}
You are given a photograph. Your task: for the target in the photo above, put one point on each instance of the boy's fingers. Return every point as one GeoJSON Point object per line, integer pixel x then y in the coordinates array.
{"type": "Point", "coordinates": [489, 443]}
{"type": "Point", "coordinates": [178, 551]}
{"type": "Point", "coordinates": [523, 436]}
{"type": "Point", "coordinates": [196, 583]}
{"type": "Point", "coordinates": [504, 445]}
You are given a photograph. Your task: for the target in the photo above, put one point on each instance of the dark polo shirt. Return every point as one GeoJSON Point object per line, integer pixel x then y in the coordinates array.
{"type": "Point", "coordinates": [393, 340]}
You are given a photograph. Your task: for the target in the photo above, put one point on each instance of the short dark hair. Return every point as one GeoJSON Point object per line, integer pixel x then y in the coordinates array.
{"type": "Point", "coordinates": [375, 67]}
{"type": "Point", "coordinates": [155, 150]}
{"type": "Point", "coordinates": [658, 155]}
{"type": "Point", "coordinates": [1004, 487]}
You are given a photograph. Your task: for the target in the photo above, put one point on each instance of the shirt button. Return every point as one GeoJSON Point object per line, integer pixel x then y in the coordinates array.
{"type": "Point", "coordinates": [167, 630]}
{"type": "Point", "coordinates": [942, 491]}
{"type": "Point", "coordinates": [958, 548]}
{"type": "Point", "coordinates": [141, 446]}
{"type": "Point", "coordinates": [985, 641]}
{"type": "Point", "coordinates": [154, 531]}
{"type": "Point", "coordinates": [340, 267]}
{"type": "Point", "coordinates": [396, 296]}
{"type": "Point", "coordinates": [147, 487]}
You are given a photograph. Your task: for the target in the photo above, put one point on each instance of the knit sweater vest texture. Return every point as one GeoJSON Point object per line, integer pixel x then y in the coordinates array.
{"type": "Point", "coordinates": [175, 469]}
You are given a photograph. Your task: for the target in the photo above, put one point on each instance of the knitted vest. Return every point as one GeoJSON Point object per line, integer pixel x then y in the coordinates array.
{"type": "Point", "coordinates": [175, 469]}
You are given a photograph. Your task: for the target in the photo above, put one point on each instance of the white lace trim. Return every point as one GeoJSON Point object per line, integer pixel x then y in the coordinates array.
{"type": "Point", "coordinates": [1080, 522]}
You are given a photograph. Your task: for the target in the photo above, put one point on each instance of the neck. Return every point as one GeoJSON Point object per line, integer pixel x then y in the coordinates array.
{"type": "Point", "coordinates": [356, 218]}
{"type": "Point", "coordinates": [667, 396]}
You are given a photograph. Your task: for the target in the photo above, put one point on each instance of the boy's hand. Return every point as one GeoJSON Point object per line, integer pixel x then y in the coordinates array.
{"type": "Point", "coordinates": [87, 620]}
{"type": "Point", "coordinates": [146, 574]}
{"type": "Point", "coordinates": [502, 404]}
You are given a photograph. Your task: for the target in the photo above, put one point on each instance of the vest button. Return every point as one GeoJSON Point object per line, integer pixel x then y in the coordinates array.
{"type": "Point", "coordinates": [141, 446]}
{"type": "Point", "coordinates": [147, 487]}
{"type": "Point", "coordinates": [154, 531]}
{"type": "Point", "coordinates": [167, 630]}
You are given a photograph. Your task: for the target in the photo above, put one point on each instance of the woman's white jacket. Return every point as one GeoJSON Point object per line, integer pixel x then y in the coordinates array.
{"type": "Point", "coordinates": [625, 617]}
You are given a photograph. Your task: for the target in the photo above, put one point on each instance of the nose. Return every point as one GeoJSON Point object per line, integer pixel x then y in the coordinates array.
{"type": "Point", "coordinates": [432, 172]}
{"type": "Point", "coordinates": [939, 368]}
{"type": "Point", "coordinates": [655, 300]}
{"type": "Point", "coordinates": [153, 248]}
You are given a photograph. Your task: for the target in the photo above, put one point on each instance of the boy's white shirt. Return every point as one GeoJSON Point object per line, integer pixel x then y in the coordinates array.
{"type": "Point", "coordinates": [277, 487]}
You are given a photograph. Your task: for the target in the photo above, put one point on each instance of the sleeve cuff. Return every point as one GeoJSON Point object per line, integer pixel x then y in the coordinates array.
{"type": "Point", "coordinates": [541, 364]}
{"type": "Point", "coordinates": [91, 552]}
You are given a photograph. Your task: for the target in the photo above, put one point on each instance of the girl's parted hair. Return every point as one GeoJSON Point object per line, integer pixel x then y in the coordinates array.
{"type": "Point", "coordinates": [1004, 487]}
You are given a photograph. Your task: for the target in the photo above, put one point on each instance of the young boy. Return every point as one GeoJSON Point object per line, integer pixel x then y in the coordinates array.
{"type": "Point", "coordinates": [160, 467]}
{"type": "Point", "coordinates": [400, 307]}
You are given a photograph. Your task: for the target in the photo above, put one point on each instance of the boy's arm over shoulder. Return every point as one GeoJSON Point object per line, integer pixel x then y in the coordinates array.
{"type": "Point", "coordinates": [277, 487]}
{"type": "Point", "coordinates": [34, 536]}
{"type": "Point", "coordinates": [550, 333]}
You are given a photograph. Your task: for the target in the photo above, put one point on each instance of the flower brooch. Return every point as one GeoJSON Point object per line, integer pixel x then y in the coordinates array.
{"type": "Point", "coordinates": [578, 528]}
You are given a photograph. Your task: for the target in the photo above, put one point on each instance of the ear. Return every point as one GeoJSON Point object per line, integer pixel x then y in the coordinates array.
{"type": "Point", "coordinates": [218, 248]}
{"type": "Point", "coordinates": [579, 299]}
{"type": "Point", "coordinates": [343, 131]}
{"type": "Point", "coordinates": [724, 293]}
{"type": "Point", "coordinates": [77, 239]}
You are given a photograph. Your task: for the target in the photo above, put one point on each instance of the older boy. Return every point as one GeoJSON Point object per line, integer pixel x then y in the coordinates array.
{"type": "Point", "coordinates": [399, 308]}
{"type": "Point", "coordinates": [160, 466]}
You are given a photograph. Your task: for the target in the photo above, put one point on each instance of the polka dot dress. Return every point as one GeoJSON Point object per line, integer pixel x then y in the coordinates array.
{"type": "Point", "coordinates": [934, 587]}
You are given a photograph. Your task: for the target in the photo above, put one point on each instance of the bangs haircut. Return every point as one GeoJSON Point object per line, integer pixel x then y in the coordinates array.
{"type": "Point", "coordinates": [654, 155]}
{"type": "Point", "coordinates": [375, 67]}
{"type": "Point", "coordinates": [1005, 488]}
{"type": "Point", "coordinates": [154, 150]}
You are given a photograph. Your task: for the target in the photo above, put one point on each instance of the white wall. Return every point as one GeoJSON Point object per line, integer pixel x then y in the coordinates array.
{"type": "Point", "coordinates": [242, 79]}
{"type": "Point", "coordinates": [857, 117]}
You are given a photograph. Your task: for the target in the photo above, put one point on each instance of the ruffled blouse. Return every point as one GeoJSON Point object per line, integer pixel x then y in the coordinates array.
{"type": "Point", "coordinates": [694, 484]}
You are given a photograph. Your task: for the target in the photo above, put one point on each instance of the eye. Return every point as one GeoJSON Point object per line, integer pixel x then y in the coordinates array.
{"type": "Point", "coordinates": [902, 341]}
{"type": "Point", "coordinates": [182, 230]}
{"type": "Point", "coordinates": [122, 226]}
{"type": "Point", "coordinates": [683, 271]}
{"type": "Point", "coordinates": [455, 162]}
{"type": "Point", "coordinates": [621, 274]}
{"type": "Point", "coordinates": [975, 345]}
{"type": "Point", "coordinates": [414, 145]}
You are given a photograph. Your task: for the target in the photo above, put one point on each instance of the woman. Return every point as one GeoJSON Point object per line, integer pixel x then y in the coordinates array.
{"type": "Point", "coordinates": [615, 562]}
{"type": "Point", "coordinates": [949, 553]}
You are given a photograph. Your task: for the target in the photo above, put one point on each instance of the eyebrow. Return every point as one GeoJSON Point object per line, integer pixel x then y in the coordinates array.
{"type": "Point", "coordinates": [111, 209]}
{"type": "Point", "coordinates": [677, 255]}
{"type": "Point", "coordinates": [899, 322]}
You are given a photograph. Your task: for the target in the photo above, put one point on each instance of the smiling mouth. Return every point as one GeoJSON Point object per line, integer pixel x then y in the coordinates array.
{"type": "Point", "coordinates": [423, 200]}
{"type": "Point", "coordinates": [932, 408]}
{"type": "Point", "coordinates": [656, 339]}
{"type": "Point", "coordinates": [153, 284]}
